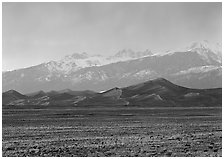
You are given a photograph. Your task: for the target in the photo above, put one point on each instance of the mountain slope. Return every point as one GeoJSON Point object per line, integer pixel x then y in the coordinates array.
{"type": "Point", "coordinates": [36, 94]}
{"type": "Point", "coordinates": [153, 93]}
{"type": "Point", "coordinates": [197, 66]}
{"type": "Point", "coordinates": [11, 96]}
{"type": "Point", "coordinates": [161, 92]}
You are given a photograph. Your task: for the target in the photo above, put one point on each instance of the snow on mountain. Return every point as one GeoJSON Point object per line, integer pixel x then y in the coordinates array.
{"type": "Point", "coordinates": [205, 45]}
{"type": "Point", "coordinates": [208, 51]}
{"type": "Point", "coordinates": [76, 61]}
{"type": "Point", "coordinates": [196, 66]}
{"type": "Point", "coordinates": [143, 73]}
{"type": "Point", "coordinates": [201, 69]}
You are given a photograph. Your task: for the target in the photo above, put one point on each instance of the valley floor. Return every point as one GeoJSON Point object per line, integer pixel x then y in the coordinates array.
{"type": "Point", "coordinates": [111, 131]}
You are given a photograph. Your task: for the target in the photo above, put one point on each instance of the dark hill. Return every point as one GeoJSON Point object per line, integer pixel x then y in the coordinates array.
{"type": "Point", "coordinates": [12, 95]}
{"type": "Point", "coordinates": [52, 93]}
{"type": "Point", "coordinates": [161, 92]}
{"type": "Point", "coordinates": [87, 93]}
{"type": "Point", "coordinates": [38, 94]}
{"type": "Point", "coordinates": [159, 86]}
{"type": "Point", "coordinates": [65, 91]}
{"type": "Point", "coordinates": [154, 93]}
{"type": "Point", "coordinates": [113, 93]}
{"type": "Point", "coordinates": [62, 96]}
{"type": "Point", "coordinates": [74, 93]}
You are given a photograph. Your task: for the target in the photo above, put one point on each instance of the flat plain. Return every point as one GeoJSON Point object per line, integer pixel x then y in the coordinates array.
{"type": "Point", "coordinates": [111, 131]}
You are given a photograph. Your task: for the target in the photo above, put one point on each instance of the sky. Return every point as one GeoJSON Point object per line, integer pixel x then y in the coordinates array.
{"type": "Point", "coordinates": [33, 33]}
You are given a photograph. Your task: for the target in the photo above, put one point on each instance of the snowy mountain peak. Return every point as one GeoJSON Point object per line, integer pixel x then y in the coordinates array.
{"type": "Point", "coordinates": [76, 61]}
{"type": "Point", "coordinates": [205, 46]}
{"type": "Point", "coordinates": [207, 50]}
{"type": "Point", "coordinates": [71, 63]}
{"type": "Point", "coordinates": [197, 69]}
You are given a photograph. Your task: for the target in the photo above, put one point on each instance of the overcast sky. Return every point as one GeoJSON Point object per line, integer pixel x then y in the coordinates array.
{"type": "Point", "coordinates": [38, 32]}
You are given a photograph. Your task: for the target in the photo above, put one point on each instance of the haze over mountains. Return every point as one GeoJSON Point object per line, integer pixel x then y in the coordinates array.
{"type": "Point", "coordinates": [196, 66]}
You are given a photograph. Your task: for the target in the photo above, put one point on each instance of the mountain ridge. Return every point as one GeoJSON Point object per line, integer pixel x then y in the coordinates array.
{"type": "Point", "coordinates": [186, 68]}
{"type": "Point", "coordinates": [158, 92]}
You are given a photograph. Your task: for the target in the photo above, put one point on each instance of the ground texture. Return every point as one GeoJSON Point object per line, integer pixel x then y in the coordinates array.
{"type": "Point", "coordinates": [111, 131]}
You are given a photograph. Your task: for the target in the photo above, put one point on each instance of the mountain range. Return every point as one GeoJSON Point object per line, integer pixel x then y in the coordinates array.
{"type": "Point", "coordinates": [196, 66]}
{"type": "Point", "coordinates": [158, 92]}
